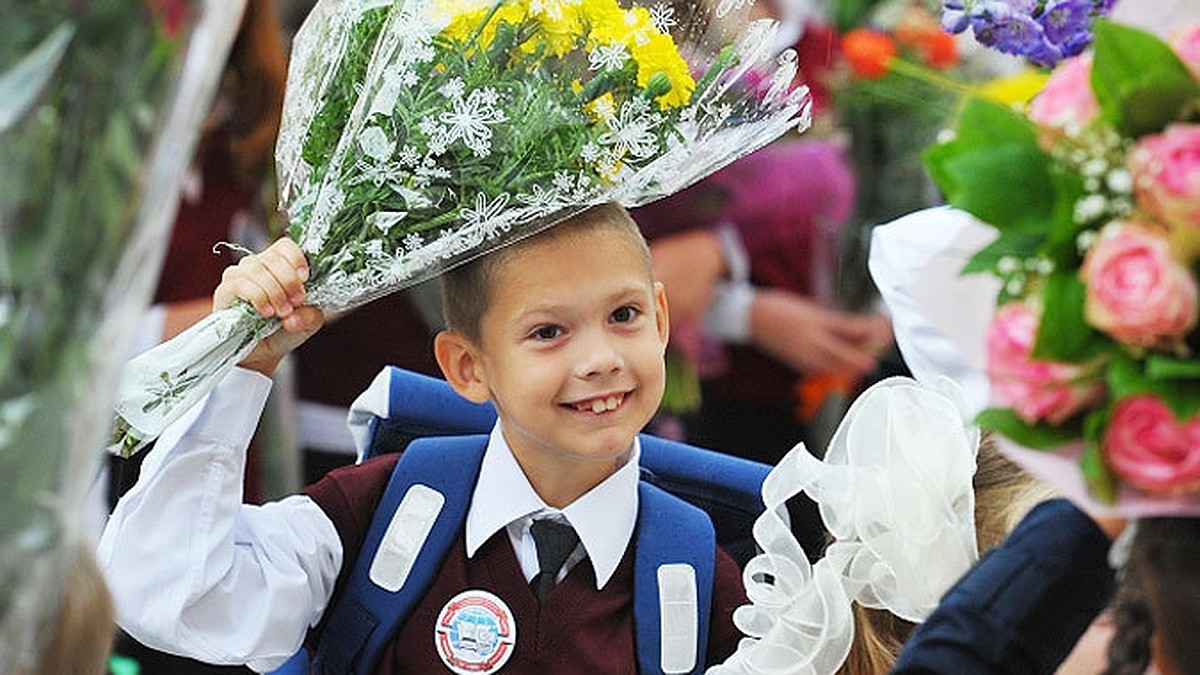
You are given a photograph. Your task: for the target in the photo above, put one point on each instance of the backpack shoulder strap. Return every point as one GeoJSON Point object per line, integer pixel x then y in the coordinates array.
{"type": "Point", "coordinates": [417, 519]}
{"type": "Point", "coordinates": [674, 567]}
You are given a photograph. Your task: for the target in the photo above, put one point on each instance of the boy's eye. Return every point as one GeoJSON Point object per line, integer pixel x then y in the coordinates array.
{"type": "Point", "coordinates": [624, 314]}
{"type": "Point", "coordinates": [546, 332]}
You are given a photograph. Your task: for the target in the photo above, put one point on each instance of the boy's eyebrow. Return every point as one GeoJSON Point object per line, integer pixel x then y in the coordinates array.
{"type": "Point", "coordinates": [628, 292]}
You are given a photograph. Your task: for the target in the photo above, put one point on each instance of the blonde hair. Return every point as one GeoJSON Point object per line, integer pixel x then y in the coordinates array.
{"type": "Point", "coordinates": [1004, 493]}
{"type": "Point", "coordinates": [82, 636]}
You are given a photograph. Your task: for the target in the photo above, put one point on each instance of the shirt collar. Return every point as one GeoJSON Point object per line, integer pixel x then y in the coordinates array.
{"type": "Point", "coordinates": [604, 517]}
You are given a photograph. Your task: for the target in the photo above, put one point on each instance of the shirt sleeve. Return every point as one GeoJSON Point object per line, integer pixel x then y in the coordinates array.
{"type": "Point", "coordinates": [1024, 605]}
{"type": "Point", "coordinates": [195, 572]}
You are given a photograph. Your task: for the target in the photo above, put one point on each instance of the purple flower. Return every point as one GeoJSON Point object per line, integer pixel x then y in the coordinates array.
{"type": "Point", "coordinates": [955, 21]}
{"type": "Point", "coordinates": [1065, 19]}
{"type": "Point", "coordinates": [1044, 31]}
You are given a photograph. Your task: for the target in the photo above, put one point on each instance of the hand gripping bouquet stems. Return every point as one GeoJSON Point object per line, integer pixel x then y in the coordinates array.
{"type": "Point", "coordinates": [100, 106]}
{"type": "Point", "coordinates": [418, 134]}
{"type": "Point", "coordinates": [1094, 197]}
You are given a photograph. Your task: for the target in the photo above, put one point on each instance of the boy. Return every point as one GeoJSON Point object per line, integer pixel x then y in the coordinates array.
{"type": "Point", "coordinates": [565, 333]}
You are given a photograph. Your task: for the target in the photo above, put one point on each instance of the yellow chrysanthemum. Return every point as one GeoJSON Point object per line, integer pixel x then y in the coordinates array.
{"type": "Point", "coordinates": [560, 27]}
{"type": "Point", "coordinates": [660, 55]}
{"type": "Point", "coordinates": [1016, 89]}
{"type": "Point", "coordinates": [606, 21]}
{"type": "Point", "coordinates": [463, 26]}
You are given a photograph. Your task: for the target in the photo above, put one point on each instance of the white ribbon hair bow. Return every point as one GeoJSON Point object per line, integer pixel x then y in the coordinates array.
{"type": "Point", "coordinates": [895, 492]}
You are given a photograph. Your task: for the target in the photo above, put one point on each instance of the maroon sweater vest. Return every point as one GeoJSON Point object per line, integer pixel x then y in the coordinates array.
{"type": "Point", "coordinates": [577, 629]}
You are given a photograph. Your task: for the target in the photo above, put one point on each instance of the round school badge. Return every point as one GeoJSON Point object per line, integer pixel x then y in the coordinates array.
{"type": "Point", "coordinates": [475, 633]}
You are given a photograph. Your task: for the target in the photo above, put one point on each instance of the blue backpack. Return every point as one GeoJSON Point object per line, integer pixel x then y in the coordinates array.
{"type": "Point", "coordinates": [690, 500]}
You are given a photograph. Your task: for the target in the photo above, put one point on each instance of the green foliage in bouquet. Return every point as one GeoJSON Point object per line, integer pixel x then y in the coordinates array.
{"type": "Point", "coordinates": [97, 121]}
{"type": "Point", "coordinates": [1087, 207]}
{"type": "Point", "coordinates": [66, 121]}
{"type": "Point", "coordinates": [512, 127]}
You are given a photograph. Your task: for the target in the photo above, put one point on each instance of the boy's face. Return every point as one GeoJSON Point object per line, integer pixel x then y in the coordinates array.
{"type": "Point", "coordinates": [572, 350]}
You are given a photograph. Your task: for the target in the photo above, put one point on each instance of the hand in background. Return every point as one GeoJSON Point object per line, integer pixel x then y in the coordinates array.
{"type": "Point", "coordinates": [689, 265]}
{"type": "Point", "coordinates": [812, 339]}
{"type": "Point", "coordinates": [273, 282]}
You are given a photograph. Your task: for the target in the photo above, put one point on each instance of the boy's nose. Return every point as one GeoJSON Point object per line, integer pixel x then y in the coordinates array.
{"type": "Point", "coordinates": [598, 356]}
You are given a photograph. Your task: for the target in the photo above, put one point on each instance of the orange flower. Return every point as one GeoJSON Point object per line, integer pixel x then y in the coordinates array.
{"type": "Point", "coordinates": [869, 52]}
{"type": "Point", "coordinates": [937, 48]}
{"type": "Point", "coordinates": [812, 392]}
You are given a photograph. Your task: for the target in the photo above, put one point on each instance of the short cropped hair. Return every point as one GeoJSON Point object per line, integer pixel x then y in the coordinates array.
{"type": "Point", "coordinates": [466, 289]}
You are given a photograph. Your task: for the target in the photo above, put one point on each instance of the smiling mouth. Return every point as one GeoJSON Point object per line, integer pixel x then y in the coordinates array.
{"type": "Point", "coordinates": [599, 405]}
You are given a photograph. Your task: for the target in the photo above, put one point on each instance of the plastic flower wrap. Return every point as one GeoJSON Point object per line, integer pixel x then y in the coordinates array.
{"type": "Point", "coordinates": [1095, 196]}
{"type": "Point", "coordinates": [1044, 31]}
{"type": "Point", "coordinates": [100, 106]}
{"type": "Point", "coordinates": [421, 133]}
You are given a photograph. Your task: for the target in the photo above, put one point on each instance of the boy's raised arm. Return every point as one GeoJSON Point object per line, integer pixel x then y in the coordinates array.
{"type": "Point", "coordinates": [193, 570]}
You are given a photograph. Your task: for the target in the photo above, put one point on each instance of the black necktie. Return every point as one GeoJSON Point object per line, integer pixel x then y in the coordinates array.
{"type": "Point", "coordinates": [554, 541]}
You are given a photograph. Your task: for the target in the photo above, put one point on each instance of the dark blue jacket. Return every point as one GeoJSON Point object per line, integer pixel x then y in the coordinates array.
{"type": "Point", "coordinates": [1024, 606]}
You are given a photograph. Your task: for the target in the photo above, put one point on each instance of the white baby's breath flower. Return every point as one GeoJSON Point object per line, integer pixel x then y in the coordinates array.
{"type": "Point", "coordinates": [1090, 208]}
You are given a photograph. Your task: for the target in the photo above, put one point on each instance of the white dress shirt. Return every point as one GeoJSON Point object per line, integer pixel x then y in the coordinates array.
{"type": "Point", "coordinates": [195, 572]}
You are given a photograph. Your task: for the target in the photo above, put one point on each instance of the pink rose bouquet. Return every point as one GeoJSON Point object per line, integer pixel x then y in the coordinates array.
{"type": "Point", "coordinates": [1094, 351]}
{"type": "Point", "coordinates": [1166, 175]}
{"type": "Point", "coordinates": [1035, 390]}
{"type": "Point", "coordinates": [1149, 448]}
{"type": "Point", "coordinates": [1136, 291]}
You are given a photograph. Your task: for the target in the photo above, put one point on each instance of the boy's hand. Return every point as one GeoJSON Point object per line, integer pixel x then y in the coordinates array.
{"type": "Point", "coordinates": [273, 282]}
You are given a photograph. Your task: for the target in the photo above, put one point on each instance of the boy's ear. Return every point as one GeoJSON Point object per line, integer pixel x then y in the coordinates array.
{"type": "Point", "coordinates": [462, 366]}
{"type": "Point", "coordinates": [662, 316]}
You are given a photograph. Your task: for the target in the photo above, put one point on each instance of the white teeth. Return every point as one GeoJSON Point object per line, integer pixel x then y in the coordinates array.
{"type": "Point", "coordinates": [601, 404]}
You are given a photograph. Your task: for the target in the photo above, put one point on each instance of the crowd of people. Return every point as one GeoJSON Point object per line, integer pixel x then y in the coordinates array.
{"type": "Point", "coordinates": [257, 518]}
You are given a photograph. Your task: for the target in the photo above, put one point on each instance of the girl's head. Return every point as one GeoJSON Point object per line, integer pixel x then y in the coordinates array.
{"type": "Point", "coordinates": [1004, 493]}
{"type": "Point", "coordinates": [1158, 600]}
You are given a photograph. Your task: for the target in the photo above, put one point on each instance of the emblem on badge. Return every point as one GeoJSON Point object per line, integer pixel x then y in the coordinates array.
{"type": "Point", "coordinates": [475, 633]}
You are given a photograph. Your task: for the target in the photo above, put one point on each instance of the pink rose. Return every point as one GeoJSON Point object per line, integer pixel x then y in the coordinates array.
{"type": "Point", "coordinates": [1166, 175]}
{"type": "Point", "coordinates": [1035, 390]}
{"type": "Point", "coordinates": [1066, 104]}
{"type": "Point", "coordinates": [1186, 44]}
{"type": "Point", "coordinates": [1136, 292]}
{"type": "Point", "coordinates": [1148, 448]}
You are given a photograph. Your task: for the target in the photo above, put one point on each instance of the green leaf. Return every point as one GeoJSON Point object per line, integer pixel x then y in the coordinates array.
{"type": "Point", "coordinates": [1168, 379]}
{"type": "Point", "coordinates": [994, 169]}
{"type": "Point", "coordinates": [1140, 83]}
{"type": "Point", "coordinates": [1166, 368]}
{"type": "Point", "coordinates": [1039, 436]}
{"type": "Point", "coordinates": [1063, 334]}
{"type": "Point", "coordinates": [1009, 243]}
{"type": "Point", "coordinates": [1100, 481]}
{"type": "Point", "coordinates": [23, 83]}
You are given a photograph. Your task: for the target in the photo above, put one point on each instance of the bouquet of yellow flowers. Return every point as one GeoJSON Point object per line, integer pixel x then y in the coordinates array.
{"type": "Point", "coordinates": [1095, 197]}
{"type": "Point", "coordinates": [418, 134]}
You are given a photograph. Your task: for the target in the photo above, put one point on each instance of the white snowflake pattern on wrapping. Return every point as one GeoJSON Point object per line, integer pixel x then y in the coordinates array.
{"type": "Point", "coordinates": [590, 152]}
{"type": "Point", "coordinates": [413, 241]}
{"type": "Point", "coordinates": [632, 130]}
{"type": "Point", "coordinates": [663, 17]}
{"type": "Point", "coordinates": [489, 215]}
{"type": "Point", "coordinates": [468, 120]}
{"type": "Point", "coordinates": [608, 57]}
{"type": "Point", "coordinates": [540, 200]}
